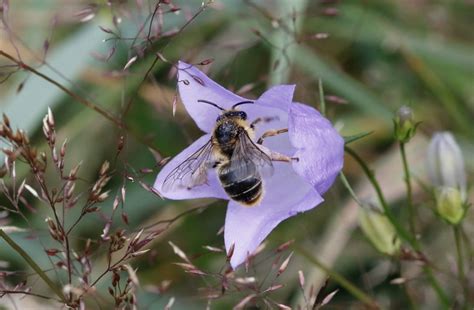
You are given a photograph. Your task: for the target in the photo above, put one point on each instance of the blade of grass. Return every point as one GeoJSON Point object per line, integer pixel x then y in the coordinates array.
{"type": "Point", "coordinates": [284, 38]}
{"type": "Point", "coordinates": [461, 118]}
{"type": "Point", "coordinates": [372, 28]}
{"type": "Point", "coordinates": [317, 68]}
{"type": "Point", "coordinates": [33, 265]}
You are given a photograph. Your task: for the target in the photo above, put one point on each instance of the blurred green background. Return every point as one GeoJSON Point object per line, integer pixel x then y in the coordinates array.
{"type": "Point", "coordinates": [378, 55]}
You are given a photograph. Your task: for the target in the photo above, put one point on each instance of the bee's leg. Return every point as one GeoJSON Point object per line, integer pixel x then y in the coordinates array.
{"type": "Point", "coordinates": [275, 156]}
{"type": "Point", "coordinates": [262, 119]}
{"type": "Point", "coordinates": [271, 133]}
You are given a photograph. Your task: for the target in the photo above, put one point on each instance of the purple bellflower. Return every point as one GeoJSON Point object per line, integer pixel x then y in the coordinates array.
{"type": "Point", "coordinates": [293, 187]}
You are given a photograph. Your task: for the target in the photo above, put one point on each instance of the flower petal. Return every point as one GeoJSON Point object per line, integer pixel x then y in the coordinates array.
{"type": "Point", "coordinates": [320, 148]}
{"type": "Point", "coordinates": [212, 189]}
{"type": "Point", "coordinates": [294, 187]}
{"type": "Point", "coordinates": [279, 97]}
{"type": "Point", "coordinates": [193, 86]}
{"type": "Point", "coordinates": [274, 103]}
{"type": "Point", "coordinates": [247, 227]}
{"type": "Point", "coordinates": [445, 162]}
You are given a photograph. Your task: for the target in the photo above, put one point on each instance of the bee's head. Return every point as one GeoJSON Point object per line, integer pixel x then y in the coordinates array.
{"type": "Point", "coordinates": [233, 114]}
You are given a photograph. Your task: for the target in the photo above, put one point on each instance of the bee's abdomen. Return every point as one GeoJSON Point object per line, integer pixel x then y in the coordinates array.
{"type": "Point", "coordinates": [246, 190]}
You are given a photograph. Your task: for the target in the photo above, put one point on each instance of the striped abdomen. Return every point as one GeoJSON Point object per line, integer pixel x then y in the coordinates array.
{"type": "Point", "coordinates": [242, 184]}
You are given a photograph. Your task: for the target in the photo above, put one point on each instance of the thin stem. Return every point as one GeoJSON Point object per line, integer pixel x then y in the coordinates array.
{"type": "Point", "coordinates": [399, 228]}
{"type": "Point", "coordinates": [341, 280]}
{"type": "Point", "coordinates": [460, 260]}
{"type": "Point", "coordinates": [8, 292]}
{"type": "Point", "coordinates": [72, 94]}
{"type": "Point", "coordinates": [77, 97]}
{"type": "Point", "coordinates": [467, 246]}
{"type": "Point", "coordinates": [406, 171]}
{"type": "Point", "coordinates": [443, 298]}
{"type": "Point", "coordinates": [33, 265]}
{"type": "Point", "coordinates": [348, 186]}
{"type": "Point", "coordinates": [322, 101]}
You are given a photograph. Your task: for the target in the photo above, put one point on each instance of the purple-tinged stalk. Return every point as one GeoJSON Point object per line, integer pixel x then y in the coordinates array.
{"type": "Point", "coordinates": [75, 263]}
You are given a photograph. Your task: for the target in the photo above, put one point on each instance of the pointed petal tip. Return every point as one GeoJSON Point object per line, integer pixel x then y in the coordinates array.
{"type": "Point", "coordinates": [261, 220]}
{"type": "Point", "coordinates": [182, 64]}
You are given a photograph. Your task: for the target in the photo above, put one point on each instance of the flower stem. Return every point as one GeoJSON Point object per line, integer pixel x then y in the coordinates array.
{"type": "Point", "coordinates": [400, 230]}
{"type": "Point", "coordinates": [322, 101]}
{"type": "Point", "coordinates": [33, 265]}
{"type": "Point", "coordinates": [460, 260]}
{"type": "Point", "coordinates": [346, 183]}
{"type": "Point", "coordinates": [405, 235]}
{"type": "Point", "coordinates": [348, 186]}
{"type": "Point", "coordinates": [341, 280]}
{"type": "Point", "coordinates": [406, 170]}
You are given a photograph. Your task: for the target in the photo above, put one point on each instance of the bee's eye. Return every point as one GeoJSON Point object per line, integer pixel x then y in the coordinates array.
{"type": "Point", "coordinates": [243, 115]}
{"type": "Point", "coordinates": [219, 118]}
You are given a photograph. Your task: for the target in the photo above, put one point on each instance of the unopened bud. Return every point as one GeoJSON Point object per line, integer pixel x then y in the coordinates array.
{"type": "Point", "coordinates": [378, 229]}
{"type": "Point", "coordinates": [445, 163]}
{"type": "Point", "coordinates": [404, 124]}
{"type": "Point", "coordinates": [450, 205]}
{"type": "Point", "coordinates": [103, 196]}
{"type": "Point", "coordinates": [104, 168]}
{"type": "Point", "coordinates": [6, 120]}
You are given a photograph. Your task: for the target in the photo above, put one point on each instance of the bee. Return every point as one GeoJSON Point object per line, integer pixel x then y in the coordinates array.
{"type": "Point", "coordinates": [238, 161]}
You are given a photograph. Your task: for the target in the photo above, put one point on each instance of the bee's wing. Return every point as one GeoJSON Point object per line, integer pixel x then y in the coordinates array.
{"type": "Point", "coordinates": [192, 171]}
{"type": "Point", "coordinates": [248, 158]}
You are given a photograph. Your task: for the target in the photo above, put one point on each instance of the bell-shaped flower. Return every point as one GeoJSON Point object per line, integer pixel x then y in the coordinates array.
{"type": "Point", "coordinates": [315, 149]}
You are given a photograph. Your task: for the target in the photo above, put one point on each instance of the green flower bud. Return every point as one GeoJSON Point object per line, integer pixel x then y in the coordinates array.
{"type": "Point", "coordinates": [445, 163]}
{"type": "Point", "coordinates": [450, 205]}
{"type": "Point", "coordinates": [404, 124]}
{"type": "Point", "coordinates": [379, 230]}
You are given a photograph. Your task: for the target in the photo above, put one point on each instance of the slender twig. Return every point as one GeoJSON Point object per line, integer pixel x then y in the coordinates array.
{"type": "Point", "coordinates": [71, 93]}
{"type": "Point", "coordinates": [107, 270]}
{"type": "Point", "coordinates": [33, 265]}
{"type": "Point", "coordinates": [170, 221]}
{"type": "Point", "coordinates": [77, 97]}
{"type": "Point", "coordinates": [83, 213]}
{"type": "Point", "coordinates": [8, 292]}
{"type": "Point", "coordinates": [203, 7]}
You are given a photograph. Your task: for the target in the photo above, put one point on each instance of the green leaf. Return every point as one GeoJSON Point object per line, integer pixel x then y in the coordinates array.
{"type": "Point", "coordinates": [350, 139]}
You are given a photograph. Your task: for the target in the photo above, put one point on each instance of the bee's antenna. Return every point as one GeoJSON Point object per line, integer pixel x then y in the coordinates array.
{"type": "Point", "coordinates": [240, 103]}
{"type": "Point", "coordinates": [211, 103]}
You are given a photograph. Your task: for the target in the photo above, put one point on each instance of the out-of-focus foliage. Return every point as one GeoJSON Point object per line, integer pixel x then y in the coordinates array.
{"type": "Point", "coordinates": [372, 57]}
